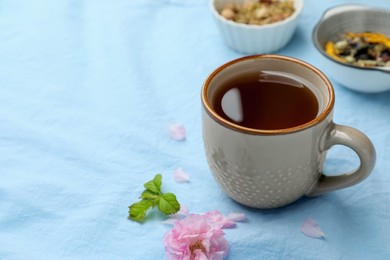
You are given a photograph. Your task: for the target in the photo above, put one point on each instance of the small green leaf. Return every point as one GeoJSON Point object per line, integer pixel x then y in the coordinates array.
{"type": "Point", "coordinates": [158, 180]}
{"type": "Point", "coordinates": [155, 184]}
{"type": "Point", "coordinates": [153, 197]}
{"type": "Point", "coordinates": [147, 194]}
{"type": "Point", "coordinates": [168, 204]}
{"type": "Point", "coordinates": [138, 210]}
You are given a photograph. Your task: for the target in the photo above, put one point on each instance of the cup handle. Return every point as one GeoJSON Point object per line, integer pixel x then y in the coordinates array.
{"type": "Point", "coordinates": [357, 141]}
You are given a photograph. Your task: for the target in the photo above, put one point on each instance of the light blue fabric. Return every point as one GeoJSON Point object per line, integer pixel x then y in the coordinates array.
{"type": "Point", "coordinates": [87, 91]}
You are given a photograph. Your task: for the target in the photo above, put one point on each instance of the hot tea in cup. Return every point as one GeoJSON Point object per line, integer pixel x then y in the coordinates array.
{"type": "Point", "coordinates": [265, 100]}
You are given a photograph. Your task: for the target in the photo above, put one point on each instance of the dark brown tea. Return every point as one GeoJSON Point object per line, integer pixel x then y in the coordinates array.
{"type": "Point", "coordinates": [266, 101]}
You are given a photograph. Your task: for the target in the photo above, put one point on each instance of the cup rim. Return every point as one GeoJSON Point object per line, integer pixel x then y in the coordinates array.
{"type": "Point", "coordinates": [321, 117]}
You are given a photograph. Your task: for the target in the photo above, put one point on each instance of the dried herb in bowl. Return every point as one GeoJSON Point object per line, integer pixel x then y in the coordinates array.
{"type": "Point", "coordinates": [366, 49]}
{"type": "Point", "coordinates": [259, 12]}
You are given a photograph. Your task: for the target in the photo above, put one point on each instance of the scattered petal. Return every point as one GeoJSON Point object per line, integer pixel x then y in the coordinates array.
{"type": "Point", "coordinates": [180, 176]}
{"type": "Point", "coordinates": [236, 217]}
{"type": "Point", "coordinates": [312, 229]}
{"type": "Point", "coordinates": [216, 218]}
{"type": "Point", "coordinates": [177, 132]}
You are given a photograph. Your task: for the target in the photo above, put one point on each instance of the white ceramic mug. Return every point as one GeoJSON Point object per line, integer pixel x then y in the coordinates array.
{"type": "Point", "coordinates": [272, 168]}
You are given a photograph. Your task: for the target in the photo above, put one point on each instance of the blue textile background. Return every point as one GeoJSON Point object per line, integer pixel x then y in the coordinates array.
{"type": "Point", "coordinates": [87, 91]}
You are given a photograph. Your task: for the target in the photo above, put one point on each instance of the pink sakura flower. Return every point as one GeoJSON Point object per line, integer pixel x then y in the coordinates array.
{"type": "Point", "coordinates": [195, 238]}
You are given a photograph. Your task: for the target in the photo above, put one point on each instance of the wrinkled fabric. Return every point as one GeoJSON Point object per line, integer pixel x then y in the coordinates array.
{"type": "Point", "coordinates": [88, 90]}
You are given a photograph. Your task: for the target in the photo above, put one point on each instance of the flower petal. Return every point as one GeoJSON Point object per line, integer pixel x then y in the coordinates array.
{"type": "Point", "coordinates": [236, 217]}
{"type": "Point", "coordinates": [177, 132]}
{"type": "Point", "coordinates": [312, 229]}
{"type": "Point", "coordinates": [199, 255]}
{"type": "Point", "coordinates": [219, 255]}
{"type": "Point", "coordinates": [216, 218]}
{"type": "Point", "coordinates": [179, 175]}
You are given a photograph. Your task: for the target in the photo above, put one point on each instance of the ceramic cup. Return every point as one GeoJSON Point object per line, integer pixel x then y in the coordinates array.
{"type": "Point", "coordinates": [273, 168]}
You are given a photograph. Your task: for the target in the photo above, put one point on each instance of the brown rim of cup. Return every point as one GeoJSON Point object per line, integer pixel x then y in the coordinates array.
{"type": "Point", "coordinates": [222, 121]}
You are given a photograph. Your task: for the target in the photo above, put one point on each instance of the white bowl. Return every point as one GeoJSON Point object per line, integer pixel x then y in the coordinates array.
{"type": "Point", "coordinates": [255, 39]}
{"type": "Point", "coordinates": [353, 18]}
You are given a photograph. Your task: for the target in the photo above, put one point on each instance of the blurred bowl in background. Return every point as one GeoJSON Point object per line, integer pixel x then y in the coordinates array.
{"type": "Point", "coordinates": [255, 39]}
{"type": "Point", "coordinates": [356, 19]}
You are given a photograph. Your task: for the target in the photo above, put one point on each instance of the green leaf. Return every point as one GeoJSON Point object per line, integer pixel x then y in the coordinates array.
{"type": "Point", "coordinates": [137, 211]}
{"type": "Point", "coordinates": [153, 197]}
{"type": "Point", "coordinates": [168, 204]}
{"type": "Point", "coordinates": [147, 194]}
{"type": "Point", "coordinates": [155, 184]}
